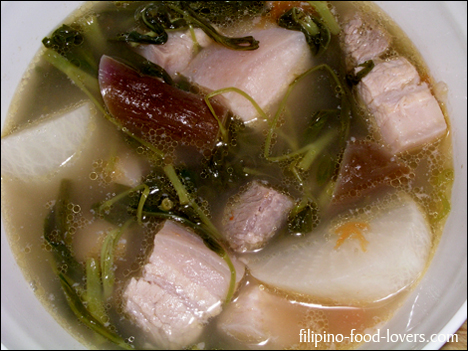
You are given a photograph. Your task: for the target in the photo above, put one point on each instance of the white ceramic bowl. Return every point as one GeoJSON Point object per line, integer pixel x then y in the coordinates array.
{"type": "Point", "coordinates": [437, 306]}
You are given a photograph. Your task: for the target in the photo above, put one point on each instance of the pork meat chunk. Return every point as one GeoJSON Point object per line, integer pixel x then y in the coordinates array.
{"type": "Point", "coordinates": [258, 316]}
{"type": "Point", "coordinates": [182, 286]}
{"type": "Point", "coordinates": [175, 55]}
{"type": "Point", "coordinates": [406, 112]}
{"type": "Point", "coordinates": [364, 40]}
{"type": "Point", "coordinates": [387, 76]}
{"type": "Point", "coordinates": [264, 73]}
{"type": "Point", "coordinates": [255, 217]}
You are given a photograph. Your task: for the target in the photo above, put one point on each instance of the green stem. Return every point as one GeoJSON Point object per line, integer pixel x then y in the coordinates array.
{"type": "Point", "coordinates": [285, 99]}
{"type": "Point", "coordinates": [82, 313]}
{"type": "Point", "coordinates": [177, 184]}
{"type": "Point", "coordinates": [242, 93]}
{"type": "Point", "coordinates": [107, 204]}
{"type": "Point", "coordinates": [185, 199]}
{"type": "Point", "coordinates": [196, 44]}
{"type": "Point", "coordinates": [87, 83]}
{"type": "Point", "coordinates": [308, 197]}
{"type": "Point", "coordinates": [326, 195]}
{"type": "Point", "coordinates": [107, 258]}
{"type": "Point", "coordinates": [318, 147]}
{"type": "Point", "coordinates": [93, 296]}
{"type": "Point", "coordinates": [141, 203]}
{"type": "Point", "coordinates": [292, 130]}
{"type": "Point", "coordinates": [233, 90]}
{"type": "Point", "coordinates": [326, 15]}
{"type": "Point", "coordinates": [290, 155]}
{"type": "Point", "coordinates": [244, 43]}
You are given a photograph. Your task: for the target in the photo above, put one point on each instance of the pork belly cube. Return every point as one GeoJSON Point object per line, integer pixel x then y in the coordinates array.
{"type": "Point", "coordinates": [258, 316]}
{"type": "Point", "coordinates": [406, 112]}
{"type": "Point", "coordinates": [175, 55]}
{"type": "Point", "coordinates": [255, 217]}
{"type": "Point", "coordinates": [364, 40]}
{"type": "Point", "coordinates": [409, 118]}
{"type": "Point", "coordinates": [264, 73]}
{"type": "Point", "coordinates": [182, 286]}
{"type": "Point", "coordinates": [387, 76]}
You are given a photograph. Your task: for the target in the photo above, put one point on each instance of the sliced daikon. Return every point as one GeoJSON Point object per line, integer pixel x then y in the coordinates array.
{"type": "Point", "coordinates": [40, 149]}
{"type": "Point", "coordinates": [386, 251]}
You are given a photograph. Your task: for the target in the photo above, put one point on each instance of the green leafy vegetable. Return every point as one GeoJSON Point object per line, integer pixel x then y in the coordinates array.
{"type": "Point", "coordinates": [70, 43]}
{"type": "Point", "coordinates": [84, 315]}
{"type": "Point", "coordinates": [93, 298]}
{"type": "Point", "coordinates": [344, 114]}
{"type": "Point", "coordinates": [220, 12]}
{"type": "Point", "coordinates": [107, 258]}
{"type": "Point", "coordinates": [244, 43]}
{"type": "Point", "coordinates": [303, 218]}
{"type": "Point", "coordinates": [71, 273]}
{"type": "Point", "coordinates": [317, 35]}
{"type": "Point", "coordinates": [156, 25]}
{"type": "Point", "coordinates": [354, 79]}
{"type": "Point", "coordinates": [135, 37]}
{"type": "Point", "coordinates": [169, 15]}
{"type": "Point", "coordinates": [178, 186]}
{"type": "Point", "coordinates": [317, 122]}
{"type": "Point", "coordinates": [57, 232]}
{"type": "Point", "coordinates": [326, 16]}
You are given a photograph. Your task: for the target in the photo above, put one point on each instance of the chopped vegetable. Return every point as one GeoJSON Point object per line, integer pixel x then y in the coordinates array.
{"type": "Point", "coordinates": [326, 15]}
{"type": "Point", "coordinates": [44, 147]}
{"type": "Point", "coordinates": [83, 314]}
{"type": "Point", "coordinates": [303, 218]}
{"type": "Point", "coordinates": [71, 273]}
{"type": "Point", "coordinates": [180, 14]}
{"type": "Point", "coordinates": [317, 35]}
{"type": "Point", "coordinates": [366, 167]}
{"type": "Point", "coordinates": [354, 79]}
{"type": "Point", "coordinates": [244, 43]}
{"type": "Point", "coordinates": [149, 108]}
{"type": "Point", "coordinates": [70, 43]}
{"type": "Point", "coordinates": [399, 243]}
{"type": "Point", "coordinates": [93, 298]}
{"type": "Point", "coordinates": [352, 230]}
{"type": "Point", "coordinates": [107, 258]}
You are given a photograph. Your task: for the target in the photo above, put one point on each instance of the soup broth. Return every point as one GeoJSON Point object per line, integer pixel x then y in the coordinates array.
{"type": "Point", "coordinates": [95, 180]}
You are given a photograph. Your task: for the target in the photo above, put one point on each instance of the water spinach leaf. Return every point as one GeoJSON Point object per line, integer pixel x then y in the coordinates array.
{"type": "Point", "coordinates": [70, 272]}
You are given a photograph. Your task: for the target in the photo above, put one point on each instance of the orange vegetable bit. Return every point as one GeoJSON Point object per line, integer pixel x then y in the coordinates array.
{"type": "Point", "coordinates": [352, 230]}
{"type": "Point", "coordinates": [277, 8]}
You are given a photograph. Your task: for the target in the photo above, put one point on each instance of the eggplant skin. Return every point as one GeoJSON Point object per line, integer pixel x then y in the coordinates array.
{"type": "Point", "coordinates": [155, 111]}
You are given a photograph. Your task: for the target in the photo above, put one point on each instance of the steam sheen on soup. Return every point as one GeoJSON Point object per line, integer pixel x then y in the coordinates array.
{"type": "Point", "coordinates": [225, 174]}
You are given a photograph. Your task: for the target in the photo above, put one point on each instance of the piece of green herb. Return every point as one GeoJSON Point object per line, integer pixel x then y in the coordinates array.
{"type": "Point", "coordinates": [71, 273]}
{"type": "Point", "coordinates": [354, 79]}
{"type": "Point", "coordinates": [242, 44]}
{"type": "Point", "coordinates": [317, 35]}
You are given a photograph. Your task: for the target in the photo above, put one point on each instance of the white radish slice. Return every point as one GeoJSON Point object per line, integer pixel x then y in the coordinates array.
{"type": "Point", "coordinates": [391, 254]}
{"type": "Point", "coordinates": [42, 148]}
